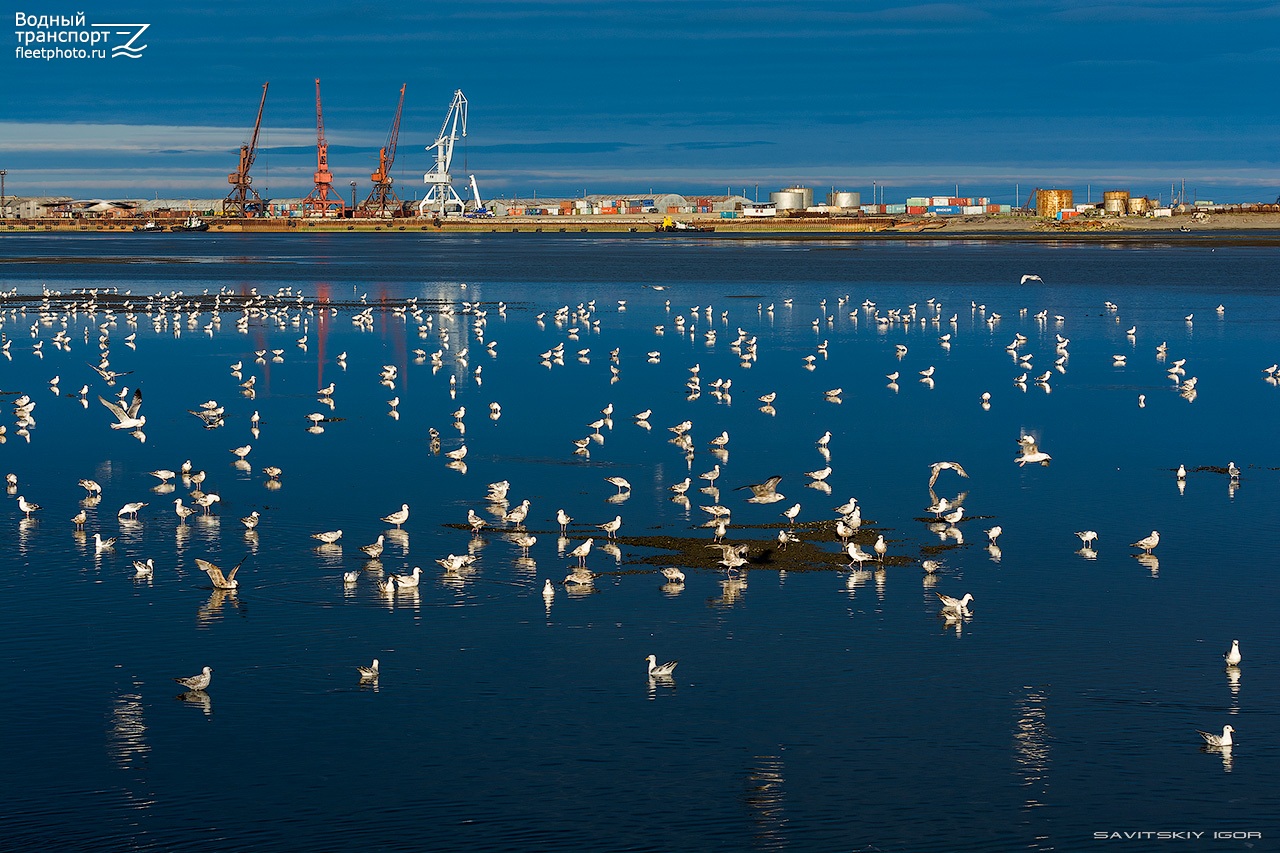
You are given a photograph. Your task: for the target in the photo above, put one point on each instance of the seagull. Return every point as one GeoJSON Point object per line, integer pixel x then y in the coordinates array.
{"type": "Point", "coordinates": [163, 475]}
{"type": "Point", "coordinates": [930, 566]}
{"type": "Point", "coordinates": [215, 574]}
{"type": "Point", "coordinates": [207, 501]}
{"type": "Point", "coordinates": [100, 544]}
{"type": "Point", "coordinates": [518, 515]}
{"type": "Point", "coordinates": [91, 486]}
{"type": "Point", "coordinates": [819, 475]}
{"type": "Point", "coordinates": [994, 533]}
{"type": "Point", "coordinates": [672, 574]}
{"type": "Point", "coordinates": [130, 509]}
{"type": "Point", "coordinates": [548, 591]}
{"type": "Point", "coordinates": [1218, 740]}
{"type": "Point", "coordinates": [766, 492]}
{"type": "Point", "coordinates": [791, 513]}
{"type": "Point", "coordinates": [126, 418]}
{"type": "Point", "coordinates": [368, 673]}
{"type": "Point", "coordinates": [409, 581]}
{"type": "Point", "coordinates": [563, 519]}
{"type": "Point", "coordinates": [1031, 277]}
{"type": "Point", "coordinates": [475, 521]}
{"type": "Point", "coordinates": [398, 517]}
{"type": "Point", "coordinates": [619, 482]}
{"type": "Point", "coordinates": [1232, 656]}
{"type": "Point", "coordinates": [1087, 537]}
{"type": "Point", "coordinates": [184, 512]}
{"type": "Point", "coordinates": [525, 541]}
{"type": "Point", "coordinates": [856, 554]}
{"type": "Point", "coordinates": [657, 670]}
{"type": "Point", "coordinates": [1182, 472]}
{"type": "Point", "coordinates": [681, 487]}
{"type": "Point", "coordinates": [27, 508]}
{"type": "Point", "coordinates": [201, 681]}
{"type": "Point", "coordinates": [374, 549]}
{"type": "Point", "coordinates": [611, 527]}
{"type": "Point", "coordinates": [328, 537]}
{"type": "Point", "coordinates": [143, 570]}
{"type": "Point", "coordinates": [712, 475]}
{"type": "Point", "coordinates": [955, 605]}
{"type": "Point", "coordinates": [242, 452]}
{"type": "Point", "coordinates": [1031, 452]}
{"type": "Point", "coordinates": [785, 538]}
{"type": "Point", "coordinates": [79, 519]}
{"type": "Point", "coordinates": [1148, 543]}
{"type": "Point", "coordinates": [250, 521]}
{"type": "Point", "coordinates": [457, 455]}
{"type": "Point", "coordinates": [582, 551]}
{"type": "Point", "coordinates": [938, 467]}
{"type": "Point", "coordinates": [880, 547]}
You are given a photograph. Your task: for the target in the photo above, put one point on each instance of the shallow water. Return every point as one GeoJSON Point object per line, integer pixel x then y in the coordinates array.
{"type": "Point", "coordinates": [812, 710]}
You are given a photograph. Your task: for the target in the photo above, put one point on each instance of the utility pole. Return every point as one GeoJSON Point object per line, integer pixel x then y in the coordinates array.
{"type": "Point", "coordinates": [3, 211]}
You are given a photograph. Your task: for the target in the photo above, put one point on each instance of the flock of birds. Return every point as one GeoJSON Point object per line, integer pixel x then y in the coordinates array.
{"type": "Point", "coordinates": [104, 311]}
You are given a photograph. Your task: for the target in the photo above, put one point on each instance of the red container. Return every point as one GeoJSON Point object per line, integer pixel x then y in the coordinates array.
{"type": "Point", "coordinates": [916, 211]}
{"type": "Point", "coordinates": [993, 208]}
{"type": "Point", "coordinates": [608, 210]}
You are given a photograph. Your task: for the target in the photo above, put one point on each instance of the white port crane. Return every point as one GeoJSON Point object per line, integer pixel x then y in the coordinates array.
{"type": "Point", "coordinates": [441, 197]}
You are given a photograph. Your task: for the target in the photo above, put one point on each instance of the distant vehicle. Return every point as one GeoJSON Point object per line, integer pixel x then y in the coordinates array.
{"type": "Point", "coordinates": [190, 224]}
{"type": "Point", "coordinates": [675, 225]}
{"type": "Point", "coordinates": [151, 227]}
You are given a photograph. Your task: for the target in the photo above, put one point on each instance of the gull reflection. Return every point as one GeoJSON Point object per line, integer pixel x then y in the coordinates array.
{"type": "Point", "coordinates": [666, 682]}
{"type": "Point", "coordinates": [526, 565]}
{"type": "Point", "coordinates": [127, 733]}
{"type": "Point", "coordinates": [163, 488]}
{"type": "Point", "coordinates": [1149, 561]}
{"type": "Point", "coordinates": [1233, 684]}
{"type": "Point", "coordinates": [197, 699]}
{"type": "Point", "coordinates": [399, 537]}
{"type": "Point", "coordinates": [857, 578]}
{"type": "Point", "coordinates": [731, 592]}
{"type": "Point", "coordinates": [211, 610]}
{"type": "Point", "coordinates": [1088, 553]}
{"type": "Point", "coordinates": [995, 552]}
{"type": "Point", "coordinates": [612, 550]}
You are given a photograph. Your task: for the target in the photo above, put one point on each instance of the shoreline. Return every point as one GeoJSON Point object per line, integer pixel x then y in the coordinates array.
{"type": "Point", "coordinates": [1252, 228]}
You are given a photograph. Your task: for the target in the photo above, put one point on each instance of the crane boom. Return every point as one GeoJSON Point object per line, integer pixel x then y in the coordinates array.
{"type": "Point", "coordinates": [320, 200]}
{"type": "Point", "coordinates": [440, 194]}
{"type": "Point", "coordinates": [237, 201]}
{"type": "Point", "coordinates": [382, 197]}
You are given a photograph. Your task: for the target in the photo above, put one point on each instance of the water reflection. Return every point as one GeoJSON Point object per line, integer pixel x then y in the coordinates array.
{"type": "Point", "coordinates": [1149, 561]}
{"type": "Point", "coordinates": [197, 699]}
{"type": "Point", "coordinates": [127, 733]}
{"type": "Point", "coordinates": [767, 800]}
{"type": "Point", "coordinates": [212, 610]}
{"type": "Point", "coordinates": [1031, 744]}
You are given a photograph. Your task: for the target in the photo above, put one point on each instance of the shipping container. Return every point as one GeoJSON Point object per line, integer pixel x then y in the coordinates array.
{"type": "Point", "coordinates": [917, 201]}
{"type": "Point", "coordinates": [608, 209]}
{"type": "Point", "coordinates": [939, 201]}
{"type": "Point", "coordinates": [898, 209]}
{"type": "Point", "coordinates": [944, 209]}
{"type": "Point", "coordinates": [993, 208]}
{"type": "Point", "coordinates": [974, 210]}
{"type": "Point", "coordinates": [728, 214]}
{"type": "Point", "coordinates": [917, 209]}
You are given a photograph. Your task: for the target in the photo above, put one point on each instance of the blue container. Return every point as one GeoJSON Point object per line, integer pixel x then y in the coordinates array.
{"type": "Point", "coordinates": [947, 210]}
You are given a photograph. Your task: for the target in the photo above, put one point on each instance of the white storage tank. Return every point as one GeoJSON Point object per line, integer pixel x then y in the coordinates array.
{"type": "Point", "coordinates": [848, 201]}
{"type": "Point", "coordinates": [788, 199]}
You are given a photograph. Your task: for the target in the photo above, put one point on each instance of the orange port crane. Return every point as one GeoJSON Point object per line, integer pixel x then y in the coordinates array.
{"type": "Point", "coordinates": [321, 200]}
{"type": "Point", "coordinates": [237, 201]}
{"type": "Point", "coordinates": [382, 201]}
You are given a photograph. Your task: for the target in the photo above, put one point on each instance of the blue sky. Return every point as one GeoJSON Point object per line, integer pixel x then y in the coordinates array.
{"type": "Point", "coordinates": [694, 96]}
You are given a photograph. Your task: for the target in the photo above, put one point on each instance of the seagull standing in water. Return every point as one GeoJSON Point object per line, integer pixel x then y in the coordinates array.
{"type": "Point", "coordinates": [398, 517]}
{"type": "Point", "coordinates": [197, 682]}
{"type": "Point", "coordinates": [1148, 543]}
{"type": "Point", "coordinates": [368, 673]}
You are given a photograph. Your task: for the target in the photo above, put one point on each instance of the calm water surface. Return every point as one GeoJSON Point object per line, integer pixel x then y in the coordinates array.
{"type": "Point", "coordinates": [812, 710]}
